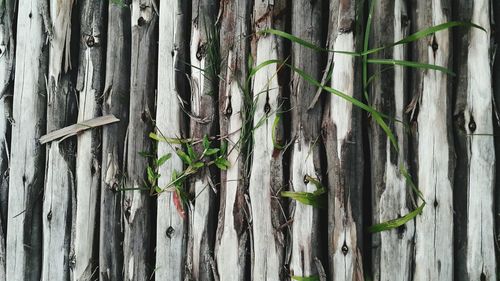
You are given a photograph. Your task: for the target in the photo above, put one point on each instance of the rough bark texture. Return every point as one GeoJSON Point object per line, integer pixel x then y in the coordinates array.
{"type": "Point", "coordinates": [171, 229]}
{"type": "Point", "coordinates": [266, 177]}
{"type": "Point", "coordinates": [344, 147]}
{"type": "Point", "coordinates": [431, 91]}
{"type": "Point", "coordinates": [60, 165]}
{"type": "Point", "coordinates": [138, 205]}
{"type": "Point", "coordinates": [475, 177]}
{"type": "Point", "coordinates": [116, 101]}
{"type": "Point", "coordinates": [392, 251]}
{"type": "Point", "coordinates": [234, 105]}
{"type": "Point", "coordinates": [88, 175]}
{"type": "Point", "coordinates": [24, 231]}
{"type": "Point", "coordinates": [306, 138]}
{"type": "Point", "coordinates": [202, 224]}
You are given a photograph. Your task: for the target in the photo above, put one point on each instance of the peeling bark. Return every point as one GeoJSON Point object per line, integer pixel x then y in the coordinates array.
{"type": "Point", "coordinates": [171, 231]}
{"type": "Point", "coordinates": [475, 241]}
{"type": "Point", "coordinates": [138, 205]}
{"type": "Point", "coordinates": [392, 251]}
{"type": "Point", "coordinates": [266, 177]}
{"type": "Point", "coordinates": [232, 230]}
{"type": "Point", "coordinates": [344, 147]}
{"type": "Point", "coordinates": [24, 224]}
{"type": "Point", "coordinates": [88, 159]}
{"type": "Point", "coordinates": [202, 224]}
{"type": "Point", "coordinates": [433, 145]}
{"type": "Point", "coordinates": [116, 102]}
{"type": "Point", "coordinates": [306, 137]}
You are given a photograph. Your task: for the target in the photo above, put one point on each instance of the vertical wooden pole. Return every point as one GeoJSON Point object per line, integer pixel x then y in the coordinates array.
{"type": "Point", "coordinates": [24, 225]}
{"type": "Point", "coordinates": [306, 137]}
{"type": "Point", "coordinates": [392, 251]}
{"type": "Point", "coordinates": [171, 230]}
{"type": "Point", "coordinates": [60, 165]}
{"type": "Point", "coordinates": [430, 116]}
{"type": "Point", "coordinates": [475, 177]}
{"type": "Point", "coordinates": [115, 101]}
{"type": "Point", "coordinates": [138, 205]}
{"type": "Point", "coordinates": [266, 177]}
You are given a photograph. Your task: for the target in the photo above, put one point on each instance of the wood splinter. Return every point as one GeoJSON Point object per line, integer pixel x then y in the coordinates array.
{"type": "Point", "coordinates": [79, 127]}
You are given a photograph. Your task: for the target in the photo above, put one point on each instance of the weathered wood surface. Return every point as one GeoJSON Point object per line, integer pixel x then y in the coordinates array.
{"type": "Point", "coordinates": [116, 102]}
{"type": "Point", "coordinates": [306, 138]}
{"type": "Point", "coordinates": [203, 121]}
{"type": "Point", "coordinates": [26, 177]}
{"type": "Point", "coordinates": [171, 121]}
{"type": "Point", "coordinates": [475, 150]}
{"type": "Point", "coordinates": [138, 206]}
{"type": "Point", "coordinates": [392, 251]}
{"type": "Point", "coordinates": [90, 85]}
{"type": "Point", "coordinates": [430, 119]}
{"type": "Point", "coordinates": [343, 140]}
{"type": "Point", "coordinates": [60, 166]}
{"type": "Point", "coordinates": [184, 66]}
{"type": "Point", "coordinates": [267, 176]}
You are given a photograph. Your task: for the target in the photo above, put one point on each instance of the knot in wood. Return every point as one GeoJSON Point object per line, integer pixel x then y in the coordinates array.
{"type": "Point", "coordinates": [345, 249]}
{"type": "Point", "coordinates": [90, 41]}
{"type": "Point", "coordinates": [472, 126]}
{"type": "Point", "coordinates": [49, 215]}
{"type": "Point", "coordinates": [170, 231]}
{"type": "Point", "coordinates": [306, 179]}
{"type": "Point", "coordinates": [141, 21]}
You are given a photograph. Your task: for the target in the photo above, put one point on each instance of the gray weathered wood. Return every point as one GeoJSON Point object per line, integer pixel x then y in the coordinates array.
{"type": "Point", "coordinates": [306, 137]}
{"type": "Point", "coordinates": [60, 165]}
{"type": "Point", "coordinates": [24, 225]}
{"type": "Point", "coordinates": [475, 176]}
{"type": "Point", "coordinates": [434, 160]}
{"type": "Point", "coordinates": [7, 48]}
{"type": "Point", "coordinates": [79, 127]}
{"type": "Point", "coordinates": [392, 251]}
{"type": "Point", "coordinates": [266, 176]}
{"type": "Point", "coordinates": [202, 223]}
{"type": "Point", "coordinates": [88, 175]}
{"type": "Point", "coordinates": [138, 208]}
{"type": "Point", "coordinates": [232, 229]}
{"type": "Point", "coordinates": [344, 147]}
{"type": "Point", "coordinates": [171, 229]}
{"type": "Point", "coordinates": [116, 102]}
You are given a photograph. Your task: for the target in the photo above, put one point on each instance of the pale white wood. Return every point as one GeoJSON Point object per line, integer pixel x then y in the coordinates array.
{"type": "Point", "coordinates": [171, 227]}
{"type": "Point", "coordinates": [26, 167]}
{"type": "Point", "coordinates": [434, 227]}
{"type": "Point", "coordinates": [81, 126]}
{"type": "Point", "coordinates": [480, 251]}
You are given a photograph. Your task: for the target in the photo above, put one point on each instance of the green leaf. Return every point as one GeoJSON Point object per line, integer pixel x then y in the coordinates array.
{"type": "Point", "coordinates": [315, 199]}
{"type": "Point", "coordinates": [206, 142]}
{"type": "Point", "coordinates": [273, 131]}
{"type": "Point", "coordinates": [191, 153]}
{"type": "Point", "coordinates": [308, 278]}
{"type": "Point", "coordinates": [198, 165]}
{"type": "Point", "coordinates": [412, 64]}
{"type": "Point", "coordinates": [395, 223]}
{"type": "Point", "coordinates": [184, 157]}
{"type": "Point", "coordinates": [163, 159]}
{"type": "Point", "coordinates": [167, 140]}
{"type": "Point", "coordinates": [304, 43]}
{"type": "Point", "coordinates": [222, 163]}
{"type": "Point", "coordinates": [146, 154]}
{"type": "Point", "coordinates": [151, 175]}
{"type": "Point", "coordinates": [211, 151]}
{"type": "Point", "coordinates": [423, 33]}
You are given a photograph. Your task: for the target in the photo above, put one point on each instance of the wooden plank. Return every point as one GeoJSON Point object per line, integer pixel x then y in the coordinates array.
{"type": "Point", "coordinates": [116, 102]}
{"type": "Point", "coordinates": [88, 174]}
{"type": "Point", "coordinates": [266, 176]}
{"type": "Point", "coordinates": [60, 163]}
{"type": "Point", "coordinates": [202, 224]}
{"type": "Point", "coordinates": [475, 150]}
{"type": "Point", "coordinates": [232, 229]}
{"type": "Point", "coordinates": [434, 160]}
{"type": "Point", "coordinates": [77, 128]}
{"type": "Point", "coordinates": [342, 133]}
{"type": "Point", "coordinates": [138, 206]}
{"type": "Point", "coordinates": [306, 137]}
{"type": "Point", "coordinates": [392, 251]}
{"type": "Point", "coordinates": [171, 121]}
{"type": "Point", "coordinates": [24, 224]}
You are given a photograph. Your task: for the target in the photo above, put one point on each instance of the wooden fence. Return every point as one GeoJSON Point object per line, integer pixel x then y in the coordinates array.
{"type": "Point", "coordinates": [243, 153]}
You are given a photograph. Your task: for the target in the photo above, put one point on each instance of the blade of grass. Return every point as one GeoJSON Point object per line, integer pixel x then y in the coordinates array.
{"type": "Point", "coordinates": [366, 41]}
{"type": "Point", "coordinates": [396, 222]}
{"type": "Point", "coordinates": [411, 64]}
